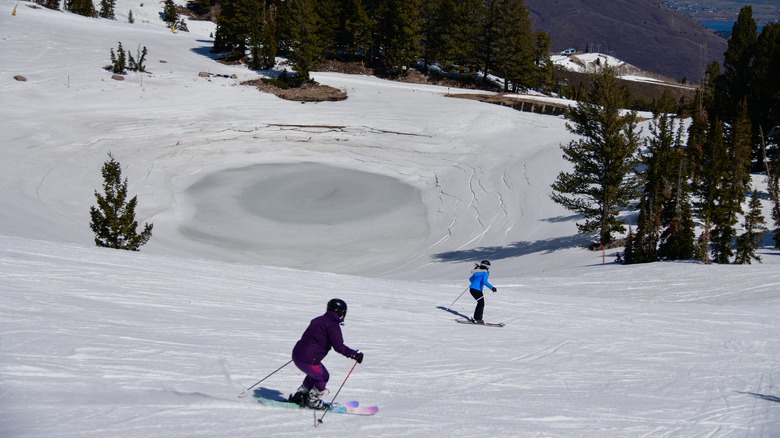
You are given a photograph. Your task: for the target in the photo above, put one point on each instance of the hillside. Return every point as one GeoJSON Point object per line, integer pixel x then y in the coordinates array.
{"type": "Point", "coordinates": [644, 33]}
{"type": "Point", "coordinates": [264, 209]}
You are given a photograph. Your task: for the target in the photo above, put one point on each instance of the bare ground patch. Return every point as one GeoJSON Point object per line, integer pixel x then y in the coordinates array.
{"type": "Point", "coordinates": [309, 92]}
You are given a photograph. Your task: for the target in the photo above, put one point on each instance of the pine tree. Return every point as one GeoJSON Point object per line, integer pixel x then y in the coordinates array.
{"type": "Point", "coordinates": [735, 82]}
{"type": "Point", "coordinates": [137, 64]}
{"type": "Point", "coordinates": [730, 192]}
{"type": "Point", "coordinates": [118, 61]}
{"type": "Point", "coordinates": [544, 76]}
{"type": "Point", "coordinates": [113, 219]}
{"type": "Point", "coordinates": [234, 24]}
{"type": "Point", "coordinates": [710, 171]}
{"type": "Point", "coordinates": [765, 100]}
{"type": "Point", "coordinates": [353, 35]}
{"type": "Point", "coordinates": [82, 7]}
{"type": "Point", "coordinates": [107, 9]}
{"type": "Point", "coordinates": [603, 158]}
{"type": "Point", "coordinates": [257, 39]}
{"type": "Point", "coordinates": [658, 177]}
{"type": "Point", "coordinates": [52, 4]}
{"type": "Point", "coordinates": [515, 45]}
{"type": "Point", "coordinates": [773, 187]}
{"type": "Point", "coordinates": [458, 31]}
{"type": "Point", "coordinates": [130, 18]}
{"type": "Point", "coordinates": [269, 38]}
{"type": "Point", "coordinates": [677, 238]}
{"type": "Point", "coordinates": [307, 46]}
{"type": "Point", "coordinates": [697, 136]}
{"type": "Point", "coordinates": [398, 34]}
{"type": "Point", "coordinates": [434, 24]}
{"type": "Point", "coordinates": [755, 228]}
{"type": "Point", "coordinates": [170, 15]}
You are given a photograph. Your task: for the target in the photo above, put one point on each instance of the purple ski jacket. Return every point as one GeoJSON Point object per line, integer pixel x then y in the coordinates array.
{"type": "Point", "coordinates": [323, 333]}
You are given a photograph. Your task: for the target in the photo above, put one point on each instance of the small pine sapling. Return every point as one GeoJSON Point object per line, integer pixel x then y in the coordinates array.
{"type": "Point", "coordinates": [755, 229]}
{"type": "Point", "coordinates": [113, 219]}
{"type": "Point", "coordinates": [137, 66]}
{"type": "Point", "coordinates": [118, 61]}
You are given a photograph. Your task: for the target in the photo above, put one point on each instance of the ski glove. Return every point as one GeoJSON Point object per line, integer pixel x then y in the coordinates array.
{"type": "Point", "coordinates": [358, 357]}
{"type": "Point", "coordinates": [495, 290]}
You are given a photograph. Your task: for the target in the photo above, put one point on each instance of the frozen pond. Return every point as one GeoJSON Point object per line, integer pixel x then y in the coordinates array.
{"type": "Point", "coordinates": [306, 215]}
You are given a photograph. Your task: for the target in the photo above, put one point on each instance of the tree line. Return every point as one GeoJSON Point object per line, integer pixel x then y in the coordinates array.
{"type": "Point", "coordinates": [470, 38]}
{"type": "Point", "coordinates": [682, 176]}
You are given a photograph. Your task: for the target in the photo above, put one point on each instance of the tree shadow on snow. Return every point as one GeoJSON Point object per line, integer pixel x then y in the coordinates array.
{"type": "Point", "coordinates": [770, 398]}
{"type": "Point", "coordinates": [454, 312]}
{"type": "Point", "coordinates": [206, 50]}
{"type": "Point", "coordinates": [515, 249]}
{"type": "Point", "coordinates": [269, 394]}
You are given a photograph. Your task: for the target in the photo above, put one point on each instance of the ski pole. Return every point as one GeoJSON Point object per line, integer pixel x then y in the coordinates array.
{"type": "Point", "coordinates": [456, 299]}
{"type": "Point", "coordinates": [318, 422]}
{"type": "Point", "coordinates": [243, 394]}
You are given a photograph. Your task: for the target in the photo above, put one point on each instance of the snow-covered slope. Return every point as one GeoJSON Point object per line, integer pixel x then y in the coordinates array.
{"type": "Point", "coordinates": [482, 171]}
{"type": "Point", "coordinates": [102, 343]}
{"type": "Point", "coordinates": [240, 188]}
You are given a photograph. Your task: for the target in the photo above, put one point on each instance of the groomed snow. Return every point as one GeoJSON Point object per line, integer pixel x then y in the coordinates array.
{"type": "Point", "coordinates": [264, 209]}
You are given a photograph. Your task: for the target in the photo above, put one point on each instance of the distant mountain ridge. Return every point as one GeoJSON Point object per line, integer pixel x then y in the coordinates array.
{"type": "Point", "coordinates": [645, 33]}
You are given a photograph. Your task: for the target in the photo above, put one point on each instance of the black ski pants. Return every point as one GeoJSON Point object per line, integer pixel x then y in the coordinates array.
{"type": "Point", "coordinates": [477, 294]}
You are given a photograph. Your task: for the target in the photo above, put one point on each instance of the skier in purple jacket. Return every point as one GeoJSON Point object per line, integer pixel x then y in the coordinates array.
{"type": "Point", "coordinates": [323, 333]}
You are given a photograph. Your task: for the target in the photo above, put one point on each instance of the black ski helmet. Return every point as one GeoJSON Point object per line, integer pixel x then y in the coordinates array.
{"type": "Point", "coordinates": [485, 263]}
{"type": "Point", "coordinates": [338, 306]}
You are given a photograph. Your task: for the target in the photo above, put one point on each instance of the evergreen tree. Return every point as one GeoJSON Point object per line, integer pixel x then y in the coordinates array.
{"type": "Point", "coordinates": [82, 7]}
{"type": "Point", "coordinates": [544, 76]}
{"type": "Point", "coordinates": [755, 228]}
{"type": "Point", "coordinates": [659, 177]}
{"type": "Point", "coordinates": [130, 18]}
{"type": "Point", "coordinates": [707, 184]}
{"type": "Point", "coordinates": [200, 7]}
{"type": "Point", "coordinates": [459, 33]}
{"type": "Point", "coordinates": [137, 64]}
{"type": "Point", "coordinates": [398, 34]}
{"type": "Point", "coordinates": [329, 13]}
{"type": "Point", "coordinates": [51, 4]}
{"type": "Point", "coordinates": [677, 238]}
{"type": "Point", "coordinates": [707, 96]}
{"type": "Point", "coordinates": [735, 178]}
{"type": "Point", "coordinates": [234, 25]}
{"type": "Point", "coordinates": [773, 187]}
{"type": "Point", "coordinates": [306, 44]}
{"type": "Point", "coordinates": [170, 15]}
{"type": "Point", "coordinates": [765, 101]}
{"type": "Point", "coordinates": [353, 35]}
{"type": "Point", "coordinates": [113, 219]}
{"type": "Point", "coordinates": [107, 9]}
{"type": "Point", "coordinates": [434, 25]}
{"type": "Point", "coordinates": [603, 158]}
{"type": "Point", "coordinates": [118, 61]}
{"type": "Point", "coordinates": [515, 52]}
{"type": "Point", "coordinates": [735, 82]}
{"type": "Point", "coordinates": [698, 132]}
{"type": "Point", "coordinates": [257, 39]}
{"type": "Point", "coordinates": [515, 45]}
{"type": "Point", "coordinates": [270, 38]}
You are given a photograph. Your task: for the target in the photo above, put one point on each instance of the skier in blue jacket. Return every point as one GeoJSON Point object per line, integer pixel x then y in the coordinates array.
{"type": "Point", "coordinates": [479, 279]}
{"type": "Point", "coordinates": [322, 334]}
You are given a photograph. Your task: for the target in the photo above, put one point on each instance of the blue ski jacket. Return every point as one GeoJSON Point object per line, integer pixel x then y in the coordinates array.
{"type": "Point", "coordinates": [479, 279]}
